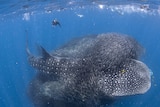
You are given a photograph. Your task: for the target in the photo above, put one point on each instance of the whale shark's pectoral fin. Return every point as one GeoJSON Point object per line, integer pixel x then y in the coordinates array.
{"type": "Point", "coordinates": [44, 53]}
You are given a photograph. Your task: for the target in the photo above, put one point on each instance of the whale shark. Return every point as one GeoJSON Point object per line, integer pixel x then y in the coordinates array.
{"type": "Point", "coordinates": [88, 71]}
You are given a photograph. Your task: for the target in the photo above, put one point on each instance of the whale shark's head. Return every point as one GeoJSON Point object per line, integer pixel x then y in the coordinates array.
{"type": "Point", "coordinates": [130, 78]}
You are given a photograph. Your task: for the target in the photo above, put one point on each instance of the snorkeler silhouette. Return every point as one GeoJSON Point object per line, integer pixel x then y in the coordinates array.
{"type": "Point", "coordinates": [55, 22]}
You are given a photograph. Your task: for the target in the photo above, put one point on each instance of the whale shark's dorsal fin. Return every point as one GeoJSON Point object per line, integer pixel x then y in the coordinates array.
{"type": "Point", "coordinates": [27, 49]}
{"type": "Point", "coordinates": [44, 53]}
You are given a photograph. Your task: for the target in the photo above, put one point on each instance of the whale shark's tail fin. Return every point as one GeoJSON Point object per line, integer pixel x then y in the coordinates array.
{"type": "Point", "coordinates": [27, 49]}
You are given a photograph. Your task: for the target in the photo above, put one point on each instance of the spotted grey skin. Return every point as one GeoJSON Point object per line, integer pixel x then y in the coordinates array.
{"type": "Point", "coordinates": [89, 71]}
{"type": "Point", "coordinates": [129, 78]}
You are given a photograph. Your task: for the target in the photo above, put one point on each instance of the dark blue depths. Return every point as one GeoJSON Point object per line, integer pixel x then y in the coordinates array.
{"type": "Point", "coordinates": [16, 72]}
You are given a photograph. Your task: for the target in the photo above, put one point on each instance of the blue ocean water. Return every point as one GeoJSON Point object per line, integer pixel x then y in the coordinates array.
{"type": "Point", "coordinates": [137, 19]}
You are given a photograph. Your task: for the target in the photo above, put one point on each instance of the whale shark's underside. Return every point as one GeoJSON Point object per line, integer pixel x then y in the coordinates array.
{"type": "Point", "coordinates": [88, 72]}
